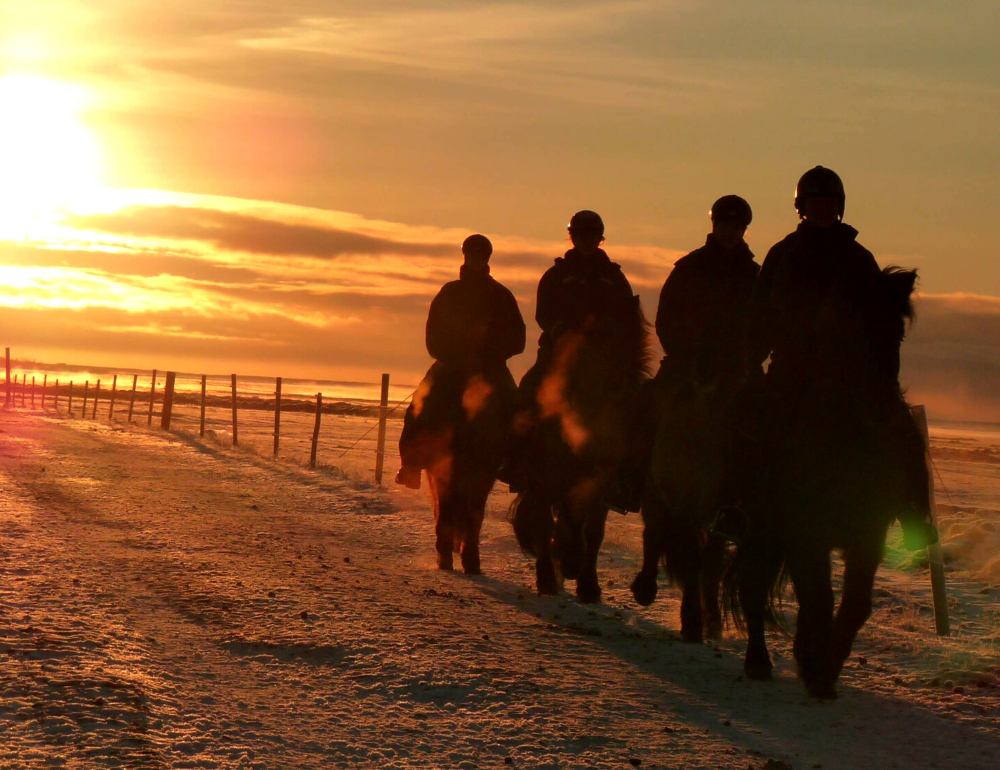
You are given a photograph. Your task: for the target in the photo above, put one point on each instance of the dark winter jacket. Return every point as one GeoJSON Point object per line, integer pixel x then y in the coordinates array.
{"type": "Point", "coordinates": [474, 322]}
{"type": "Point", "coordinates": [795, 280]}
{"type": "Point", "coordinates": [704, 316]}
{"type": "Point", "coordinates": [576, 288]}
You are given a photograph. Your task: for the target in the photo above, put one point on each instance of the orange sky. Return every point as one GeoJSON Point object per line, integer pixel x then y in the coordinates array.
{"type": "Point", "coordinates": [281, 190]}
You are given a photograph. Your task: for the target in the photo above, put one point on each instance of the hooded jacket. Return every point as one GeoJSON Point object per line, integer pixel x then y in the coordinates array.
{"type": "Point", "coordinates": [576, 288]}
{"type": "Point", "coordinates": [703, 319]}
{"type": "Point", "coordinates": [474, 322]}
{"type": "Point", "coordinates": [795, 280]}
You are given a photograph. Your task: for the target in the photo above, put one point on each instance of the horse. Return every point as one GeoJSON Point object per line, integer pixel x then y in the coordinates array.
{"type": "Point", "coordinates": [463, 418]}
{"type": "Point", "coordinates": [683, 495]}
{"type": "Point", "coordinates": [579, 438]}
{"type": "Point", "coordinates": [832, 473]}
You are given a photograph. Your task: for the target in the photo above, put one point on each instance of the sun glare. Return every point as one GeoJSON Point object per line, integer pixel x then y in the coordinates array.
{"type": "Point", "coordinates": [48, 158]}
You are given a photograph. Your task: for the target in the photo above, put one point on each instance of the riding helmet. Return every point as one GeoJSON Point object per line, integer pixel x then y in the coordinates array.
{"type": "Point", "coordinates": [732, 208]}
{"type": "Point", "coordinates": [819, 181]}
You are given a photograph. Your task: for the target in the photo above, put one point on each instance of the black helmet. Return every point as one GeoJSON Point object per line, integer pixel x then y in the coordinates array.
{"type": "Point", "coordinates": [478, 245]}
{"type": "Point", "coordinates": [732, 208]}
{"type": "Point", "coordinates": [586, 224]}
{"type": "Point", "coordinates": [819, 181]}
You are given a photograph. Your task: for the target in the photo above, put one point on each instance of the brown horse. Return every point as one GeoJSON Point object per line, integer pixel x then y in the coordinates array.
{"type": "Point", "coordinates": [576, 447]}
{"type": "Point", "coordinates": [463, 417]}
{"type": "Point", "coordinates": [833, 473]}
{"type": "Point", "coordinates": [682, 498]}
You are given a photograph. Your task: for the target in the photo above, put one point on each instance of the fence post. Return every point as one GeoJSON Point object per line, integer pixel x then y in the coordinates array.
{"type": "Point", "coordinates": [69, 408]}
{"type": "Point", "coordinates": [86, 389]}
{"type": "Point", "coordinates": [934, 558]}
{"type": "Point", "coordinates": [277, 413]}
{"type": "Point", "coordinates": [315, 442]}
{"type": "Point", "coordinates": [168, 401]}
{"type": "Point", "coordinates": [383, 413]}
{"type": "Point", "coordinates": [32, 391]}
{"type": "Point", "coordinates": [7, 381]}
{"type": "Point", "coordinates": [131, 403]}
{"type": "Point", "coordinates": [236, 436]}
{"type": "Point", "coordinates": [152, 392]}
{"type": "Point", "coordinates": [24, 387]}
{"type": "Point", "coordinates": [114, 390]}
{"type": "Point", "coordinates": [56, 397]}
{"type": "Point", "coordinates": [204, 379]}
{"type": "Point", "coordinates": [45, 387]}
{"type": "Point", "coordinates": [97, 395]}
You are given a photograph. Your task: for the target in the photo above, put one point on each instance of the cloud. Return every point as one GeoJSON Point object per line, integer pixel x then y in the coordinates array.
{"type": "Point", "coordinates": [951, 360]}
{"type": "Point", "coordinates": [220, 283]}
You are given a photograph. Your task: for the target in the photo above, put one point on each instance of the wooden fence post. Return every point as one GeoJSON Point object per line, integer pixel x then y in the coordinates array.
{"type": "Point", "coordinates": [69, 408]}
{"type": "Point", "coordinates": [934, 558]}
{"type": "Point", "coordinates": [7, 381]}
{"type": "Point", "coordinates": [45, 387]}
{"type": "Point", "coordinates": [24, 387]}
{"type": "Point", "coordinates": [32, 391]}
{"type": "Point", "coordinates": [277, 413]}
{"type": "Point", "coordinates": [383, 413]}
{"type": "Point", "coordinates": [315, 442]}
{"type": "Point", "coordinates": [168, 401]}
{"type": "Point", "coordinates": [204, 381]}
{"type": "Point", "coordinates": [55, 399]}
{"type": "Point", "coordinates": [236, 435]}
{"type": "Point", "coordinates": [114, 390]}
{"type": "Point", "coordinates": [131, 403]}
{"type": "Point", "coordinates": [86, 389]}
{"type": "Point", "coordinates": [97, 395]}
{"type": "Point", "coordinates": [152, 391]}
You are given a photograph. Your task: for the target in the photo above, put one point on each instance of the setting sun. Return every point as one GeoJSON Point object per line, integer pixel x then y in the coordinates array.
{"type": "Point", "coordinates": [48, 157]}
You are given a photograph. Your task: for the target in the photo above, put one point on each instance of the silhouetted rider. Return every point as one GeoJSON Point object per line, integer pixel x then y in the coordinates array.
{"type": "Point", "coordinates": [474, 325]}
{"type": "Point", "coordinates": [704, 315]}
{"type": "Point", "coordinates": [583, 286]}
{"type": "Point", "coordinates": [795, 281]}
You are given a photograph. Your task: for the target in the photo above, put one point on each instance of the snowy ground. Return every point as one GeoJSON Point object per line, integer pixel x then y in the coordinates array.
{"type": "Point", "coordinates": [169, 602]}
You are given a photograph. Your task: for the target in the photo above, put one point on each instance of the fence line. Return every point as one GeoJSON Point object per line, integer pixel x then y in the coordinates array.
{"type": "Point", "coordinates": [256, 401]}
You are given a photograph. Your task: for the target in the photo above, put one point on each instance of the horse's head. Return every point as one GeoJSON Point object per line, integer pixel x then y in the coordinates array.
{"type": "Point", "coordinates": [864, 321]}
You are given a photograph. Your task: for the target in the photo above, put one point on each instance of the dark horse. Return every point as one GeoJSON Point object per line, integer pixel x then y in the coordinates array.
{"type": "Point", "coordinates": [682, 498]}
{"type": "Point", "coordinates": [831, 474]}
{"type": "Point", "coordinates": [463, 417]}
{"type": "Point", "coordinates": [577, 446]}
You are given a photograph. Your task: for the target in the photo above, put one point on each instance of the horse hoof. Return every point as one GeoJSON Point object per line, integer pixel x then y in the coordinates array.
{"type": "Point", "coordinates": [713, 629]}
{"type": "Point", "coordinates": [644, 590]}
{"type": "Point", "coordinates": [691, 636]}
{"type": "Point", "coordinates": [472, 568]}
{"type": "Point", "coordinates": [445, 562]}
{"type": "Point", "coordinates": [588, 594]}
{"type": "Point", "coordinates": [758, 670]}
{"type": "Point", "coordinates": [821, 689]}
{"type": "Point", "coordinates": [547, 587]}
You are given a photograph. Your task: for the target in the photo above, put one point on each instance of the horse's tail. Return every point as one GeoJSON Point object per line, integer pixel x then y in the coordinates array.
{"type": "Point", "coordinates": [736, 572]}
{"type": "Point", "coordinates": [527, 515]}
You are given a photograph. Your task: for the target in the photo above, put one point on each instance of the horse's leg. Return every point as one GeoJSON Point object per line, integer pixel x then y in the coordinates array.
{"type": "Point", "coordinates": [474, 512]}
{"type": "Point", "coordinates": [684, 563]}
{"type": "Point", "coordinates": [588, 589]}
{"type": "Point", "coordinates": [757, 574]}
{"type": "Point", "coordinates": [713, 562]}
{"type": "Point", "coordinates": [860, 565]}
{"type": "Point", "coordinates": [444, 535]}
{"type": "Point", "coordinates": [810, 570]}
{"type": "Point", "coordinates": [644, 586]}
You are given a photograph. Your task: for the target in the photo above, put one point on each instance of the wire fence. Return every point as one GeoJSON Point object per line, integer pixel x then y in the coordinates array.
{"type": "Point", "coordinates": [346, 433]}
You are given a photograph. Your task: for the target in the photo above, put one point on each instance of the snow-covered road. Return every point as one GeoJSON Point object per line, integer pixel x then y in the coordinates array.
{"type": "Point", "coordinates": [167, 603]}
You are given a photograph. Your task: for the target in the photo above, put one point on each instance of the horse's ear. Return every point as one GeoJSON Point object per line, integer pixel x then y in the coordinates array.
{"type": "Point", "coordinates": [901, 283]}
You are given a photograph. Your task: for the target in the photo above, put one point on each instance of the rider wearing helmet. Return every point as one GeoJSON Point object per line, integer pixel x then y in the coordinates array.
{"type": "Point", "coordinates": [583, 285]}
{"type": "Point", "coordinates": [703, 317]}
{"type": "Point", "coordinates": [474, 325]}
{"type": "Point", "coordinates": [795, 280]}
